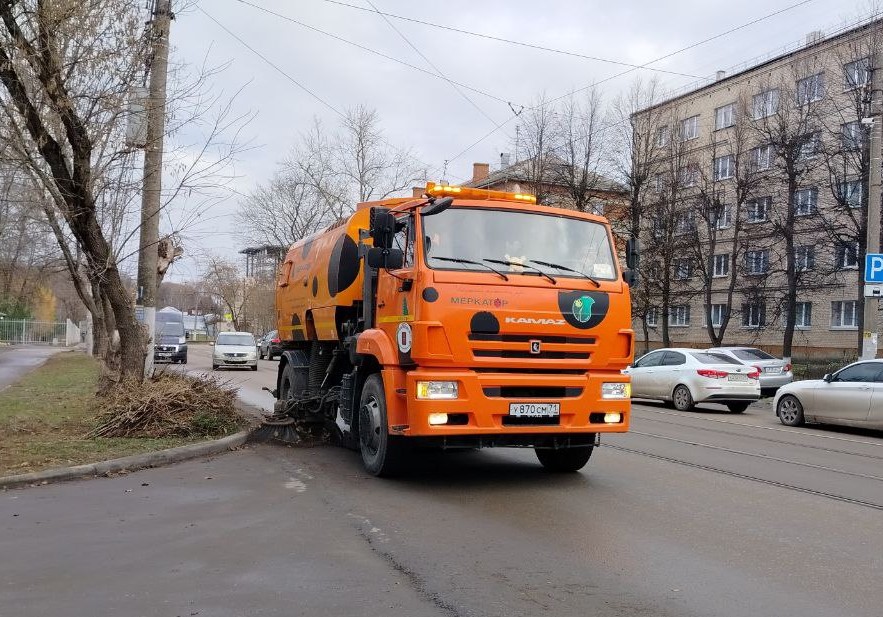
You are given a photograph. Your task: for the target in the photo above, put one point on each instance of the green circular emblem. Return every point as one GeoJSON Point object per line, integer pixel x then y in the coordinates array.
{"type": "Point", "coordinates": [582, 308]}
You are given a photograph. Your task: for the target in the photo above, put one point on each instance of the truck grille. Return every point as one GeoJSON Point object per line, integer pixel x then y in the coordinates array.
{"type": "Point", "coordinates": [528, 355]}
{"type": "Point", "coordinates": [530, 392]}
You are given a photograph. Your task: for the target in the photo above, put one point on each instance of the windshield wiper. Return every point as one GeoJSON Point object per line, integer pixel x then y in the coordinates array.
{"type": "Point", "coordinates": [566, 269]}
{"type": "Point", "coordinates": [459, 260]}
{"type": "Point", "coordinates": [506, 262]}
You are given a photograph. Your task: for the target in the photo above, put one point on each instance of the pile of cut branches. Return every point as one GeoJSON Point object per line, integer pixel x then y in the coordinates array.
{"type": "Point", "coordinates": [168, 405]}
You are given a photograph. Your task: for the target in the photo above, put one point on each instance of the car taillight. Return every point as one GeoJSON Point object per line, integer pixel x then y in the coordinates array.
{"type": "Point", "coordinates": [787, 367]}
{"type": "Point", "coordinates": [275, 340]}
{"type": "Point", "coordinates": [712, 373]}
{"type": "Point", "coordinates": [755, 374]}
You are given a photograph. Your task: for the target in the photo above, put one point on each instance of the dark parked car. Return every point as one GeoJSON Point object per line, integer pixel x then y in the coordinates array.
{"type": "Point", "coordinates": [171, 344]}
{"type": "Point", "coordinates": [270, 346]}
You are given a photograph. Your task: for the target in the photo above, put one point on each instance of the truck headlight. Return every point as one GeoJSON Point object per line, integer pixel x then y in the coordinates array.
{"type": "Point", "coordinates": [437, 390]}
{"type": "Point", "coordinates": [617, 389]}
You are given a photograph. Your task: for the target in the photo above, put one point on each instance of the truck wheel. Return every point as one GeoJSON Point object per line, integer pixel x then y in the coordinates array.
{"type": "Point", "coordinates": [564, 459]}
{"type": "Point", "coordinates": [382, 454]}
{"type": "Point", "coordinates": [293, 383]}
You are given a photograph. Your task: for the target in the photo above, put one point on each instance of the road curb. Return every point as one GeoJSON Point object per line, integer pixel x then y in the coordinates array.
{"type": "Point", "coordinates": [128, 463]}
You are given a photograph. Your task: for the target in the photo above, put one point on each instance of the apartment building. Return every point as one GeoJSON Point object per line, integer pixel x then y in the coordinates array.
{"type": "Point", "coordinates": [756, 200]}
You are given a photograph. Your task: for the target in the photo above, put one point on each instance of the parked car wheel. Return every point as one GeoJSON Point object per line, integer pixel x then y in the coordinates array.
{"type": "Point", "coordinates": [790, 411]}
{"type": "Point", "coordinates": [682, 399]}
{"type": "Point", "coordinates": [255, 367]}
{"type": "Point", "coordinates": [260, 354]}
{"type": "Point", "coordinates": [564, 459]}
{"type": "Point", "coordinates": [737, 407]}
{"type": "Point", "coordinates": [214, 367]}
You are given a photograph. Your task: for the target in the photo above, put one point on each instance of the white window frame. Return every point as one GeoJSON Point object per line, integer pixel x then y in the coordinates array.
{"type": "Point", "coordinates": [810, 146]}
{"type": "Point", "coordinates": [757, 262]}
{"type": "Point", "coordinates": [679, 315]}
{"type": "Point", "coordinates": [724, 167]}
{"type": "Point", "coordinates": [725, 116]}
{"type": "Point", "coordinates": [716, 313]}
{"type": "Point", "coordinates": [851, 136]}
{"type": "Point", "coordinates": [659, 183]}
{"type": "Point", "coordinates": [688, 175]}
{"type": "Point", "coordinates": [844, 315]}
{"type": "Point", "coordinates": [662, 136]}
{"type": "Point", "coordinates": [803, 315]}
{"type": "Point", "coordinates": [804, 258]}
{"type": "Point", "coordinates": [683, 269]}
{"type": "Point", "coordinates": [765, 104]}
{"type": "Point", "coordinates": [685, 222]}
{"type": "Point", "coordinates": [850, 193]}
{"type": "Point", "coordinates": [762, 157]}
{"type": "Point", "coordinates": [754, 315]}
{"type": "Point", "coordinates": [652, 316]}
{"type": "Point", "coordinates": [690, 128]}
{"type": "Point", "coordinates": [806, 201]}
{"type": "Point", "coordinates": [847, 256]}
{"type": "Point", "coordinates": [811, 89]}
{"type": "Point", "coordinates": [723, 217]}
{"type": "Point", "coordinates": [765, 201]}
{"type": "Point", "coordinates": [860, 67]}
{"type": "Point", "coordinates": [720, 265]}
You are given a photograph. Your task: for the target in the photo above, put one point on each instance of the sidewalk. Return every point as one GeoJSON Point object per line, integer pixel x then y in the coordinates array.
{"type": "Point", "coordinates": [17, 361]}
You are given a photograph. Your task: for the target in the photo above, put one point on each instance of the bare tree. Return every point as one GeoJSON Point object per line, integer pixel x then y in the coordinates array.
{"type": "Point", "coordinates": [578, 158]}
{"type": "Point", "coordinates": [232, 290]}
{"type": "Point", "coordinates": [537, 138]}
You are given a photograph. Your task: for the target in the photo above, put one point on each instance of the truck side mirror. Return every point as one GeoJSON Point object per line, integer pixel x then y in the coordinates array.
{"type": "Point", "coordinates": [632, 253]}
{"type": "Point", "coordinates": [437, 205]}
{"type": "Point", "coordinates": [630, 277]}
{"type": "Point", "coordinates": [383, 227]}
{"type": "Point", "coordinates": [390, 259]}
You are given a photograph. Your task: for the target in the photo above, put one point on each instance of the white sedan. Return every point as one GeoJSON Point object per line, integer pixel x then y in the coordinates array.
{"type": "Point", "coordinates": [853, 396]}
{"type": "Point", "coordinates": [235, 349]}
{"type": "Point", "coordinates": [689, 376]}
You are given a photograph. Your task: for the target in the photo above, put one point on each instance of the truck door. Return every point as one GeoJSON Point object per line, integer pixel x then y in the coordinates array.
{"type": "Point", "coordinates": [396, 292]}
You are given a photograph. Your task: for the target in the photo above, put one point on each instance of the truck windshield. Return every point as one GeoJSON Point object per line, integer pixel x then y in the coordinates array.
{"type": "Point", "coordinates": [518, 237]}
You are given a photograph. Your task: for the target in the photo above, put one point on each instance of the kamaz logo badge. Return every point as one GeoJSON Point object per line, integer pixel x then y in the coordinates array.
{"type": "Point", "coordinates": [535, 321]}
{"type": "Point", "coordinates": [535, 347]}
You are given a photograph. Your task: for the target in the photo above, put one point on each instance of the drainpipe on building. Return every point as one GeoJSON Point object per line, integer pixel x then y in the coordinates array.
{"type": "Point", "coordinates": [875, 202]}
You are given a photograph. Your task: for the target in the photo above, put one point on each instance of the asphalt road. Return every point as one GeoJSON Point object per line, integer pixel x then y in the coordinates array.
{"type": "Point", "coordinates": [691, 514]}
{"type": "Point", "coordinates": [199, 360]}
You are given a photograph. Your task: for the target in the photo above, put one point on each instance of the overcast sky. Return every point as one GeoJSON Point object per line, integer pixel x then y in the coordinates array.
{"type": "Point", "coordinates": [423, 112]}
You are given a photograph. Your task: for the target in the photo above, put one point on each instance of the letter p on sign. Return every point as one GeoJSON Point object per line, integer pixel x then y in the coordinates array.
{"type": "Point", "coordinates": [874, 268]}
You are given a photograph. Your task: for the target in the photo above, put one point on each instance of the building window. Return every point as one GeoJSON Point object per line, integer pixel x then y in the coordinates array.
{"type": "Point", "coordinates": [684, 222]}
{"type": "Point", "coordinates": [761, 158]}
{"type": "Point", "coordinates": [722, 217]}
{"type": "Point", "coordinates": [721, 265]}
{"type": "Point", "coordinates": [596, 207]}
{"type": "Point", "coordinates": [805, 201]}
{"type": "Point", "coordinates": [847, 256]}
{"type": "Point", "coordinates": [851, 136]}
{"type": "Point", "coordinates": [690, 128]}
{"type": "Point", "coordinates": [662, 137]}
{"type": "Point", "coordinates": [679, 315]}
{"type": "Point", "coordinates": [766, 103]}
{"type": "Point", "coordinates": [843, 314]}
{"type": "Point", "coordinates": [754, 315]}
{"type": "Point", "coordinates": [725, 116]}
{"type": "Point", "coordinates": [804, 258]}
{"type": "Point", "coordinates": [849, 194]}
{"type": "Point", "coordinates": [757, 262]}
{"type": "Point", "coordinates": [659, 183]}
{"type": "Point", "coordinates": [803, 315]}
{"type": "Point", "coordinates": [657, 227]}
{"type": "Point", "coordinates": [688, 175]}
{"type": "Point", "coordinates": [758, 209]}
{"type": "Point", "coordinates": [718, 311]}
{"type": "Point", "coordinates": [652, 316]}
{"type": "Point", "coordinates": [683, 269]}
{"type": "Point", "coordinates": [809, 145]}
{"type": "Point", "coordinates": [724, 167]}
{"type": "Point", "coordinates": [857, 74]}
{"type": "Point", "coordinates": [811, 89]}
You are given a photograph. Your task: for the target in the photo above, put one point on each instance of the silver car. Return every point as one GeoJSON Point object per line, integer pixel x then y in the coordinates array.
{"type": "Point", "coordinates": [774, 372]}
{"type": "Point", "coordinates": [853, 396]}
{"type": "Point", "coordinates": [235, 349]}
{"type": "Point", "coordinates": [689, 376]}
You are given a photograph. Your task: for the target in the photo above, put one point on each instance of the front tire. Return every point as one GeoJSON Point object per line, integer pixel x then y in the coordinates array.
{"type": "Point", "coordinates": [737, 407]}
{"type": "Point", "coordinates": [293, 383]}
{"type": "Point", "coordinates": [682, 399]}
{"type": "Point", "coordinates": [564, 459]}
{"type": "Point", "coordinates": [382, 454]}
{"type": "Point", "coordinates": [790, 411]}
{"type": "Point", "coordinates": [214, 367]}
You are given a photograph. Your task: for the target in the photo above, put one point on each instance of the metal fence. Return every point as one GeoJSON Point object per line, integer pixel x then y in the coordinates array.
{"type": "Point", "coordinates": [31, 332]}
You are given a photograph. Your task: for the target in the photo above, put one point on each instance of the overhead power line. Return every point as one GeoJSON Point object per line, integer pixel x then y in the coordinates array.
{"type": "Point", "coordinates": [500, 39]}
{"type": "Point", "coordinates": [631, 70]}
{"type": "Point", "coordinates": [376, 53]}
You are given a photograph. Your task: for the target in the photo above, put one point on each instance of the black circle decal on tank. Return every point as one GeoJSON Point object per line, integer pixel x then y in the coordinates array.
{"type": "Point", "coordinates": [315, 286]}
{"type": "Point", "coordinates": [583, 309]}
{"type": "Point", "coordinates": [430, 294]}
{"type": "Point", "coordinates": [306, 249]}
{"type": "Point", "coordinates": [484, 323]}
{"type": "Point", "coordinates": [343, 266]}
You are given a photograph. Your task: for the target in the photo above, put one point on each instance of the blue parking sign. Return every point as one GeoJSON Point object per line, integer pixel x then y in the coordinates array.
{"type": "Point", "coordinates": [874, 268]}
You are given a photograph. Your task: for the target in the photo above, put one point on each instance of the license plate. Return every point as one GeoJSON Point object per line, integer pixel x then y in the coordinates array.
{"type": "Point", "coordinates": [773, 370]}
{"type": "Point", "coordinates": [738, 377]}
{"type": "Point", "coordinates": [534, 410]}
{"type": "Point", "coordinates": [164, 355]}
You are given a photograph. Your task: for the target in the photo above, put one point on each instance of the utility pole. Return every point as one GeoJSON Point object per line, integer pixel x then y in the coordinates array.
{"type": "Point", "coordinates": [875, 203]}
{"type": "Point", "coordinates": [153, 152]}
